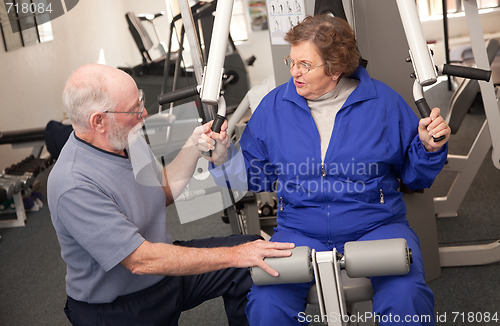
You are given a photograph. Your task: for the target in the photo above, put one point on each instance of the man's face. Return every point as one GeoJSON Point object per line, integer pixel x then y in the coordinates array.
{"type": "Point", "coordinates": [117, 135]}
{"type": "Point", "coordinates": [126, 121]}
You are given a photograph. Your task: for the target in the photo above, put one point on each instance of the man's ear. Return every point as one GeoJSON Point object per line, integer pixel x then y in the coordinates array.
{"type": "Point", "coordinates": [98, 122]}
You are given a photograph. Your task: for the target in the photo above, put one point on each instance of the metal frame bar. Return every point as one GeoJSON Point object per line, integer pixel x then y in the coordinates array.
{"type": "Point", "coordinates": [329, 285]}
{"type": "Point", "coordinates": [468, 166]}
{"type": "Point", "coordinates": [491, 105]}
{"type": "Point", "coordinates": [191, 35]}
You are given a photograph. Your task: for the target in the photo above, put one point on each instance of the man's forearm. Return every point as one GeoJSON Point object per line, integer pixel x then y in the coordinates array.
{"type": "Point", "coordinates": [167, 259]}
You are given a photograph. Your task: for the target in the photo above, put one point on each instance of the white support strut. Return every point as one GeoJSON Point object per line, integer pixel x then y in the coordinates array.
{"type": "Point", "coordinates": [491, 104]}
{"type": "Point", "coordinates": [212, 80]}
{"type": "Point", "coordinates": [420, 55]}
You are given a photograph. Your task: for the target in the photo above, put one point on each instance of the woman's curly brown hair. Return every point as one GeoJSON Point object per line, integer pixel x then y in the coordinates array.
{"type": "Point", "coordinates": [334, 39]}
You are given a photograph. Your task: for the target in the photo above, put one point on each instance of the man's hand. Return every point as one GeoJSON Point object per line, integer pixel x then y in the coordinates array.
{"type": "Point", "coordinates": [218, 143]}
{"type": "Point", "coordinates": [433, 126]}
{"type": "Point", "coordinates": [253, 253]}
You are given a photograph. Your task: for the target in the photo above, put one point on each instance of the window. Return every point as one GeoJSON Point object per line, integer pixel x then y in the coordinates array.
{"type": "Point", "coordinates": [239, 21]}
{"type": "Point", "coordinates": [26, 22]}
{"type": "Point", "coordinates": [433, 8]}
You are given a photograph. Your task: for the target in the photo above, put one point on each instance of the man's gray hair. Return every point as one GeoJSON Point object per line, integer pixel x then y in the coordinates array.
{"type": "Point", "coordinates": [82, 98]}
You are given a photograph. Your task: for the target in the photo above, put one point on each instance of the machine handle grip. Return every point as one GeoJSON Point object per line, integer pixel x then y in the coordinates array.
{"type": "Point", "coordinates": [425, 112]}
{"type": "Point", "coordinates": [216, 126]}
{"type": "Point", "coordinates": [176, 95]}
{"type": "Point", "coordinates": [467, 72]}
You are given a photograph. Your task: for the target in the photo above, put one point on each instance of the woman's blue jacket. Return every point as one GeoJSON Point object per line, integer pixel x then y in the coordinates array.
{"type": "Point", "coordinates": [374, 146]}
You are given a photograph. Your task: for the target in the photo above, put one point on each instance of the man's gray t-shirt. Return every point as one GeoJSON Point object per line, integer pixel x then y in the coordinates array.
{"type": "Point", "coordinates": [101, 215]}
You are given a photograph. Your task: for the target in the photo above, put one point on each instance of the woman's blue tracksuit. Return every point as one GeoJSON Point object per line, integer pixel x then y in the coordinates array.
{"type": "Point", "coordinates": [351, 195]}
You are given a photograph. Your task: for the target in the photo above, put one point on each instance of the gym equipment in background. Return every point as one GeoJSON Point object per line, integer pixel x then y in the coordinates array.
{"type": "Point", "coordinates": [17, 180]}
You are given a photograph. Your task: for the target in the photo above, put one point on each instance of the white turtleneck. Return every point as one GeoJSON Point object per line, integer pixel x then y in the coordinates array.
{"type": "Point", "coordinates": [325, 108]}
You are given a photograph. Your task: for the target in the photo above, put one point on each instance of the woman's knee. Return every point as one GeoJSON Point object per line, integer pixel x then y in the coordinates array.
{"type": "Point", "coordinates": [276, 302]}
{"type": "Point", "coordinates": [403, 295]}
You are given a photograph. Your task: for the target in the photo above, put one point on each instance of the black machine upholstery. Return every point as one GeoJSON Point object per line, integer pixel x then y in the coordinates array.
{"type": "Point", "coordinates": [140, 35]}
{"type": "Point", "coordinates": [144, 44]}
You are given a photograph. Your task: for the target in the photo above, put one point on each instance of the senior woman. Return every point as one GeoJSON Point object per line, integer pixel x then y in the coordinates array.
{"type": "Point", "coordinates": [335, 145]}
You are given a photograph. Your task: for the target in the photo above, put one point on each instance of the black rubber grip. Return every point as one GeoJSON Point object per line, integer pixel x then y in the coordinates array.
{"type": "Point", "coordinates": [423, 108]}
{"type": "Point", "coordinates": [216, 126]}
{"type": "Point", "coordinates": [425, 112]}
{"type": "Point", "coordinates": [467, 72]}
{"type": "Point", "coordinates": [177, 95]}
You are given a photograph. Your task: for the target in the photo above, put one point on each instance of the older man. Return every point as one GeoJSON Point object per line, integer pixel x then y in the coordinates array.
{"type": "Point", "coordinates": [122, 266]}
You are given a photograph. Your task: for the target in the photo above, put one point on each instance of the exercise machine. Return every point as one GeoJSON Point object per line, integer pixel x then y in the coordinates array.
{"type": "Point", "coordinates": [212, 80]}
{"type": "Point", "coordinates": [422, 216]}
{"type": "Point", "coordinates": [488, 138]}
{"type": "Point", "coordinates": [422, 207]}
{"type": "Point", "coordinates": [340, 280]}
{"type": "Point", "coordinates": [173, 70]}
{"type": "Point", "coordinates": [145, 44]}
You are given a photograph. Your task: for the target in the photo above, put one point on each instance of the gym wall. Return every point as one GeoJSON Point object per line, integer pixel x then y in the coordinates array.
{"type": "Point", "coordinates": [32, 78]}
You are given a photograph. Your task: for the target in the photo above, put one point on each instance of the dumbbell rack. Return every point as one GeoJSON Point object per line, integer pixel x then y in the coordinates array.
{"type": "Point", "coordinates": [20, 214]}
{"type": "Point", "coordinates": [16, 180]}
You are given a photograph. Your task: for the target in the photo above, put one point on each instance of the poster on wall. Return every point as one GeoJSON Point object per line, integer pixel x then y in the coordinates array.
{"type": "Point", "coordinates": [282, 16]}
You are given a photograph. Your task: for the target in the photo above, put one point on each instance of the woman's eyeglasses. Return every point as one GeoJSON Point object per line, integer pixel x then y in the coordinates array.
{"type": "Point", "coordinates": [302, 66]}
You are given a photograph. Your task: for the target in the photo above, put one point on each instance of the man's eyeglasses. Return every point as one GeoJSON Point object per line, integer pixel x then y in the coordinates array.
{"type": "Point", "coordinates": [142, 100]}
{"type": "Point", "coordinates": [302, 66]}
